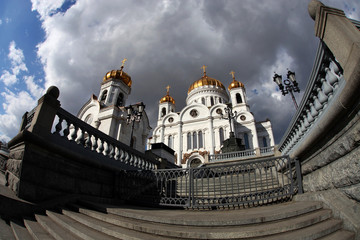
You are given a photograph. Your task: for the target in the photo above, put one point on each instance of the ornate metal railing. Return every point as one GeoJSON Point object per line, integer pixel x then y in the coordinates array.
{"type": "Point", "coordinates": [326, 80]}
{"type": "Point", "coordinates": [73, 129]}
{"type": "Point", "coordinates": [266, 151]}
{"type": "Point", "coordinates": [252, 182]}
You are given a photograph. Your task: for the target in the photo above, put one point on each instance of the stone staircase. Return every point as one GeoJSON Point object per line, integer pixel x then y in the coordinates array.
{"type": "Point", "coordinates": [89, 220]}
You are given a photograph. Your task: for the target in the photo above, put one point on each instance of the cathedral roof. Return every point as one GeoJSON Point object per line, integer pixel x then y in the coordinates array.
{"type": "Point", "coordinates": [234, 83]}
{"type": "Point", "coordinates": [167, 97]}
{"type": "Point", "coordinates": [205, 80]}
{"type": "Point", "coordinates": [119, 74]}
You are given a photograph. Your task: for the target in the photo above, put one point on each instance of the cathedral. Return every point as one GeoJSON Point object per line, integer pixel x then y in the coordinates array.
{"type": "Point", "coordinates": [200, 128]}
{"type": "Point", "coordinates": [108, 113]}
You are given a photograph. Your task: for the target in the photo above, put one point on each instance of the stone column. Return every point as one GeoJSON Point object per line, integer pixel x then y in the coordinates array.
{"type": "Point", "coordinates": [45, 112]}
{"type": "Point", "coordinates": [211, 136]}
{"type": "Point", "coordinates": [180, 147]}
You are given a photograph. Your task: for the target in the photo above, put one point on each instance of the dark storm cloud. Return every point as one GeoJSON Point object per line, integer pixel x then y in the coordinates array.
{"type": "Point", "coordinates": [167, 42]}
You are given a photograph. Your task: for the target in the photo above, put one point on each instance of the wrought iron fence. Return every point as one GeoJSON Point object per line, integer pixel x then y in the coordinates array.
{"type": "Point", "coordinates": [241, 184]}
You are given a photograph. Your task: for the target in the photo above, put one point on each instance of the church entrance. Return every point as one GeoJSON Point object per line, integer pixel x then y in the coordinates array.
{"type": "Point", "coordinates": [195, 163]}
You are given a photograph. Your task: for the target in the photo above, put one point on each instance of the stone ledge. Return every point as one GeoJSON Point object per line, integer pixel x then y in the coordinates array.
{"type": "Point", "coordinates": [341, 206]}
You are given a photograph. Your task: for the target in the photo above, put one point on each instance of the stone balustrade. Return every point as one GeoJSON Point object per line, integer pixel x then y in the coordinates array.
{"type": "Point", "coordinates": [72, 129]}
{"type": "Point", "coordinates": [326, 81]}
{"type": "Point", "coordinates": [250, 153]}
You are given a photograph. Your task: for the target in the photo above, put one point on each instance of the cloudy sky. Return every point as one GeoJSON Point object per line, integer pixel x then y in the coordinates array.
{"type": "Point", "coordinates": [72, 44]}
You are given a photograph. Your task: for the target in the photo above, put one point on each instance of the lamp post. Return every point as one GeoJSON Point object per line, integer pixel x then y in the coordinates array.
{"type": "Point", "coordinates": [290, 85]}
{"type": "Point", "coordinates": [134, 114]}
{"type": "Point", "coordinates": [230, 115]}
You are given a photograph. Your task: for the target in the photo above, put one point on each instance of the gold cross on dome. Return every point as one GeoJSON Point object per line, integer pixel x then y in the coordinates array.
{"type": "Point", "coordinates": [123, 62]}
{"type": "Point", "coordinates": [232, 73]}
{"type": "Point", "coordinates": [167, 88]}
{"type": "Point", "coordinates": [204, 69]}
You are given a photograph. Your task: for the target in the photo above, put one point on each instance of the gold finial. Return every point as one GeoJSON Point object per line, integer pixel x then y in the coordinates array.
{"type": "Point", "coordinates": [123, 62]}
{"type": "Point", "coordinates": [232, 73]}
{"type": "Point", "coordinates": [122, 66]}
{"type": "Point", "coordinates": [204, 69]}
{"type": "Point", "coordinates": [167, 88]}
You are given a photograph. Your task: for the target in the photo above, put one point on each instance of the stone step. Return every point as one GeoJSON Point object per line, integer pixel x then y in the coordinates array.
{"type": "Point", "coordinates": [209, 218]}
{"type": "Point", "coordinates": [5, 231]}
{"type": "Point", "coordinates": [20, 232]}
{"type": "Point", "coordinates": [79, 230]}
{"type": "Point", "coordinates": [311, 232]}
{"type": "Point", "coordinates": [116, 231]}
{"type": "Point", "coordinates": [54, 229]}
{"type": "Point", "coordinates": [36, 230]}
{"type": "Point", "coordinates": [339, 235]}
{"type": "Point", "coordinates": [213, 232]}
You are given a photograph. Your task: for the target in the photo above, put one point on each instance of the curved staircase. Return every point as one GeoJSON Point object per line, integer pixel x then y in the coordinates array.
{"type": "Point", "coordinates": [88, 220]}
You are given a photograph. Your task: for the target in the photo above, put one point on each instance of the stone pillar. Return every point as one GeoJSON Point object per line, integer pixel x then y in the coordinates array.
{"type": "Point", "coordinates": [45, 112]}
{"type": "Point", "coordinates": [211, 135]}
{"type": "Point", "coordinates": [180, 147]}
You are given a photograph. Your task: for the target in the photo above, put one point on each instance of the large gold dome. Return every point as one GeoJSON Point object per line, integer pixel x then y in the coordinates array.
{"type": "Point", "coordinates": [205, 80]}
{"type": "Point", "coordinates": [120, 75]}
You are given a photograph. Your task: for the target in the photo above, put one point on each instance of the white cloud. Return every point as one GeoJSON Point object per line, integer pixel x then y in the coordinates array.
{"type": "Point", "coordinates": [16, 101]}
{"type": "Point", "coordinates": [45, 8]}
{"type": "Point", "coordinates": [15, 105]}
{"type": "Point", "coordinates": [16, 58]}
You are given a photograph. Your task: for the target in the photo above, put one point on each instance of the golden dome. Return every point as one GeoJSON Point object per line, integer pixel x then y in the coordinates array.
{"type": "Point", "coordinates": [167, 97]}
{"type": "Point", "coordinates": [235, 84]}
{"type": "Point", "coordinates": [120, 75]}
{"type": "Point", "coordinates": [205, 80]}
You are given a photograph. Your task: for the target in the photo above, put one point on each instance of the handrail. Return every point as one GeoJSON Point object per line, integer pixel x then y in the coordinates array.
{"type": "Point", "coordinates": [245, 183]}
{"type": "Point", "coordinates": [325, 81]}
{"type": "Point", "coordinates": [71, 128]}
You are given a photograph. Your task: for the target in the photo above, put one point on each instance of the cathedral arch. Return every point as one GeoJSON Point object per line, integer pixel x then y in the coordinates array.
{"type": "Point", "coordinates": [212, 101]}
{"type": "Point", "coordinates": [195, 160]}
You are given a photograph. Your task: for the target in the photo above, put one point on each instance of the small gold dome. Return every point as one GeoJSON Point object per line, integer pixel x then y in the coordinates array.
{"type": "Point", "coordinates": [235, 84]}
{"type": "Point", "coordinates": [120, 75]}
{"type": "Point", "coordinates": [205, 80]}
{"type": "Point", "coordinates": [167, 98]}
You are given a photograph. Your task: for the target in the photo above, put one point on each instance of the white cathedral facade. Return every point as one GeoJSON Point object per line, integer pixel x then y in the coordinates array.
{"type": "Point", "coordinates": [107, 113]}
{"type": "Point", "coordinates": [199, 129]}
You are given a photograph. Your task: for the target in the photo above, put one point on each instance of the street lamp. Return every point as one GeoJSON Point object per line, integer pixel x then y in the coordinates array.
{"type": "Point", "coordinates": [290, 85]}
{"type": "Point", "coordinates": [134, 114]}
{"type": "Point", "coordinates": [230, 115]}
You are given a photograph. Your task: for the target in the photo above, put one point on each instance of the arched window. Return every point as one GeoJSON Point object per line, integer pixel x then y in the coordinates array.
{"type": "Point", "coordinates": [212, 101]}
{"type": "Point", "coordinates": [163, 111]}
{"type": "Point", "coordinates": [238, 98]}
{"type": "Point", "coordinates": [120, 100]}
{"type": "Point", "coordinates": [188, 141]}
{"type": "Point", "coordinates": [221, 135]}
{"type": "Point", "coordinates": [264, 142]}
{"type": "Point", "coordinates": [200, 136]}
{"type": "Point", "coordinates": [194, 140]}
{"type": "Point", "coordinates": [203, 101]}
{"type": "Point", "coordinates": [246, 140]}
{"type": "Point", "coordinates": [170, 141]}
{"type": "Point", "coordinates": [103, 96]}
{"type": "Point", "coordinates": [220, 100]}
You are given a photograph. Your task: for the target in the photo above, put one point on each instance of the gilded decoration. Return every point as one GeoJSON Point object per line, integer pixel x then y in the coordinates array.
{"type": "Point", "coordinates": [119, 74]}
{"type": "Point", "coordinates": [205, 81]}
{"type": "Point", "coordinates": [234, 83]}
{"type": "Point", "coordinates": [167, 97]}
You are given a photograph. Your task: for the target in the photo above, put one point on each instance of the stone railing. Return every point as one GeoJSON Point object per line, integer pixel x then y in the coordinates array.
{"type": "Point", "coordinates": [250, 153]}
{"type": "Point", "coordinates": [326, 81]}
{"type": "Point", "coordinates": [71, 128]}
{"type": "Point", "coordinates": [59, 122]}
